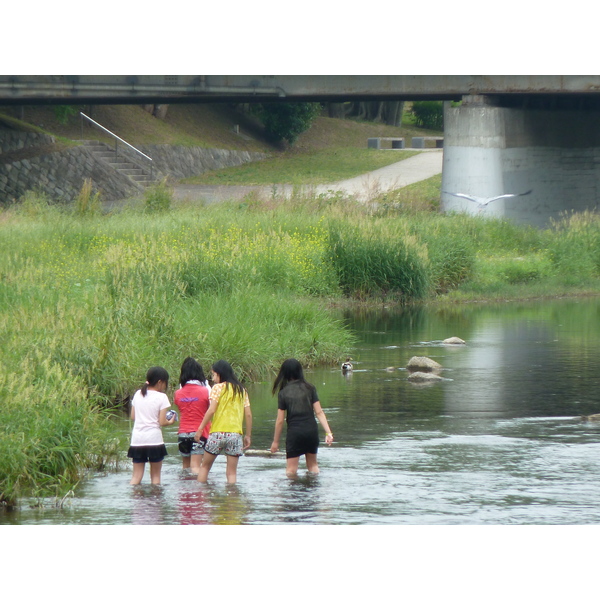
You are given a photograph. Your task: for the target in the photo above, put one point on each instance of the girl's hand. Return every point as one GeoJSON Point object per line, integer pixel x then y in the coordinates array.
{"type": "Point", "coordinates": [329, 438]}
{"type": "Point", "coordinates": [274, 447]}
{"type": "Point", "coordinates": [246, 442]}
{"type": "Point", "coordinates": [197, 436]}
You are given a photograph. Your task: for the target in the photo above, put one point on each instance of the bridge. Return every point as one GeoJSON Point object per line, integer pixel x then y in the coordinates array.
{"type": "Point", "coordinates": [502, 133]}
{"type": "Point", "coordinates": [122, 89]}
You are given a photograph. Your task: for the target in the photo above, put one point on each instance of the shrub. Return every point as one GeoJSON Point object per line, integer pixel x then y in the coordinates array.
{"type": "Point", "coordinates": [87, 202]}
{"type": "Point", "coordinates": [286, 120]}
{"type": "Point", "coordinates": [64, 113]}
{"type": "Point", "coordinates": [451, 263]}
{"type": "Point", "coordinates": [574, 245]}
{"type": "Point", "coordinates": [373, 263]}
{"type": "Point", "coordinates": [35, 203]}
{"type": "Point", "coordinates": [429, 114]}
{"type": "Point", "coordinates": [158, 198]}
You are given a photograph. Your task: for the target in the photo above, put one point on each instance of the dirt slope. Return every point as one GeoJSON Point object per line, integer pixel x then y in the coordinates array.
{"type": "Point", "coordinates": [206, 125]}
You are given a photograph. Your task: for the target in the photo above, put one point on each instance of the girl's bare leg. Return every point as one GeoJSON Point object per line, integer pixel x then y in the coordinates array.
{"type": "Point", "coordinates": [138, 473]}
{"type": "Point", "coordinates": [231, 470]}
{"type": "Point", "coordinates": [207, 462]}
{"type": "Point", "coordinates": [155, 469]}
{"type": "Point", "coordinates": [185, 462]}
{"type": "Point", "coordinates": [195, 463]}
{"type": "Point", "coordinates": [311, 463]}
{"type": "Point", "coordinates": [291, 468]}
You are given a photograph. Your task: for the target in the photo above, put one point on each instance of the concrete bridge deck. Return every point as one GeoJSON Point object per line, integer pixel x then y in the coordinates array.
{"type": "Point", "coordinates": [122, 89]}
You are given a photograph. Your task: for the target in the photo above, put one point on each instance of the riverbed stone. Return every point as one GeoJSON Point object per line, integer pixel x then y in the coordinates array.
{"type": "Point", "coordinates": [423, 363]}
{"type": "Point", "coordinates": [454, 340]}
{"type": "Point", "coordinates": [424, 376]}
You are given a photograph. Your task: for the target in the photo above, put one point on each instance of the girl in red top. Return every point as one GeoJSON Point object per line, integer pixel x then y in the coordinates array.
{"type": "Point", "coordinates": [192, 401]}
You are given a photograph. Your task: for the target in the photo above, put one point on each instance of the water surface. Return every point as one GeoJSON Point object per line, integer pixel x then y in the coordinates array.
{"type": "Point", "coordinates": [499, 440]}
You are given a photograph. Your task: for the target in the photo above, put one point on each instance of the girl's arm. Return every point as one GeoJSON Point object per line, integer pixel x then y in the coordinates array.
{"type": "Point", "coordinates": [162, 418]}
{"type": "Point", "coordinates": [278, 429]}
{"type": "Point", "coordinates": [248, 435]}
{"type": "Point", "coordinates": [132, 413]}
{"type": "Point", "coordinates": [212, 408]}
{"type": "Point", "coordinates": [323, 420]}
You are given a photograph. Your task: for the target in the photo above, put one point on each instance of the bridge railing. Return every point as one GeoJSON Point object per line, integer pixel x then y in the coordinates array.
{"type": "Point", "coordinates": [117, 140]}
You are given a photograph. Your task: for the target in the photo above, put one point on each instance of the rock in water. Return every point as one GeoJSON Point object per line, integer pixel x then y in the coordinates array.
{"type": "Point", "coordinates": [421, 376]}
{"type": "Point", "coordinates": [422, 363]}
{"type": "Point", "coordinates": [454, 340]}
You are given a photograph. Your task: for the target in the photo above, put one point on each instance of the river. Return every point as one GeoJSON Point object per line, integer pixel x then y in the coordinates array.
{"type": "Point", "coordinates": [499, 440]}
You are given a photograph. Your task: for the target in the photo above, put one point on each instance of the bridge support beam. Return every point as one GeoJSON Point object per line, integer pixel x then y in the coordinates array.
{"type": "Point", "coordinates": [491, 150]}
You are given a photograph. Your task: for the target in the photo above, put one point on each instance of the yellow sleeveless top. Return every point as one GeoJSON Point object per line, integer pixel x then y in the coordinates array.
{"type": "Point", "coordinates": [229, 415]}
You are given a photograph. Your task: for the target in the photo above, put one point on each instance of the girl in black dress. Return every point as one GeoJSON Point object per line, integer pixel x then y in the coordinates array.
{"type": "Point", "coordinates": [298, 404]}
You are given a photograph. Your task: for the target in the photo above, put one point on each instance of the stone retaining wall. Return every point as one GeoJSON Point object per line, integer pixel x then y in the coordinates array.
{"type": "Point", "coordinates": [11, 141]}
{"type": "Point", "coordinates": [186, 161]}
{"type": "Point", "coordinates": [61, 174]}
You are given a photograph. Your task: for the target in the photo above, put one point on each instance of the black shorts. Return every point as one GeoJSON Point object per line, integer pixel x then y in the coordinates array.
{"type": "Point", "coordinates": [301, 441]}
{"type": "Point", "coordinates": [143, 454]}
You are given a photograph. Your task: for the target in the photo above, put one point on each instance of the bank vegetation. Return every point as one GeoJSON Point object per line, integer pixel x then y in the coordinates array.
{"type": "Point", "coordinates": [89, 300]}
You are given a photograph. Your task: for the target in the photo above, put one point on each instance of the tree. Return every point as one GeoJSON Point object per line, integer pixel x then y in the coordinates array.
{"type": "Point", "coordinates": [286, 120]}
{"type": "Point", "coordinates": [429, 114]}
{"type": "Point", "coordinates": [378, 111]}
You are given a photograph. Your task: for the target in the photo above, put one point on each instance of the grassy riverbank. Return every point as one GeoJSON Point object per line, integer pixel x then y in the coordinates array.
{"type": "Point", "coordinates": [90, 301]}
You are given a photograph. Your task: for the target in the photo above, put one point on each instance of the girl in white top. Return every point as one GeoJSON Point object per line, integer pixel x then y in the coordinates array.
{"type": "Point", "coordinates": [149, 412]}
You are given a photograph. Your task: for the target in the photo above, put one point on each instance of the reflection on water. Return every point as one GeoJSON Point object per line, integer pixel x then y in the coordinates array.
{"type": "Point", "coordinates": [499, 440]}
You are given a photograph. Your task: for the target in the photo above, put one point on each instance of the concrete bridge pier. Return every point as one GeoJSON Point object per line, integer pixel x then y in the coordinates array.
{"type": "Point", "coordinates": [490, 149]}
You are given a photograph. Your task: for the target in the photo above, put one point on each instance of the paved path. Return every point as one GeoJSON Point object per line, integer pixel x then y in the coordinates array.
{"type": "Point", "coordinates": [424, 165]}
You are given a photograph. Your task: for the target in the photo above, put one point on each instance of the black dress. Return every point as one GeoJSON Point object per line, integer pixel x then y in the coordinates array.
{"type": "Point", "coordinates": [297, 399]}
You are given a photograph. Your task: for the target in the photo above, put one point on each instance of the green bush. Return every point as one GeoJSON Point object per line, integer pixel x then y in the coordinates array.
{"type": "Point", "coordinates": [428, 114]}
{"type": "Point", "coordinates": [158, 197]}
{"type": "Point", "coordinates": [451, 263]}
{"type": "Point", "coordinates": [286, 120]}
{"type": "Point", "coordinates": [371, 263]}
{"type": "Point", "coordinates": [574, 245]}
{"type": "Point", "coordinates": [64, 113]}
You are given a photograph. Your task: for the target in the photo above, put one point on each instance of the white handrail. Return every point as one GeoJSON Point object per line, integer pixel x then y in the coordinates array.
{"type": "Point", "coordinates": [118, 140]}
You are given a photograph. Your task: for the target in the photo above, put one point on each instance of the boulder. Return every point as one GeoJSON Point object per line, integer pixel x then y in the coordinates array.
{"type": "Point", "coordinates": [422, 363]}
{"type": "Point", "coordinates": [420, 376]}
{"type": "Point", "coordinates": [454, 340]}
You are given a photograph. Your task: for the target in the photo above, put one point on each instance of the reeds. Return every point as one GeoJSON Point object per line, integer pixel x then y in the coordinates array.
{"type": "Point", "coordinates": [89, 301]}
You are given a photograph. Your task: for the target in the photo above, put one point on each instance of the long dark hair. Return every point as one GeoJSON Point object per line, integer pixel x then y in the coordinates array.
{"type": "Point", "coordinates": [290, 370]}
{"type": "Point", "coordinates": [153, 376]}
{"type": "Point", "coordinates": [191, 369]}
{"type": "Point", "coordinates": [225, 372]}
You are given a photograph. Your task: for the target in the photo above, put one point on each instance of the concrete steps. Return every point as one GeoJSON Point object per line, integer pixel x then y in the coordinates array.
{"type": "Point", "coordinates": [120, 163]}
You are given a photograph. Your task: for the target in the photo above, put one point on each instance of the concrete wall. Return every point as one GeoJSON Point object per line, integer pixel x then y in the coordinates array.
{"type": "Point", "coordinates": [490, 150]}
{"type": "Point", "coordinates": [186, 161]}
{"type": "Point", "coordinates": [60, 174]}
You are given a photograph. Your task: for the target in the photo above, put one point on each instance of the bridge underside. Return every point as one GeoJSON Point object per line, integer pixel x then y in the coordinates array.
{"type": "Point", "coordinates": [510, 134]}
{"type": "Point", "coordinates": [491, 149]}
{"type": "Point", "coordinates": [165, 89]}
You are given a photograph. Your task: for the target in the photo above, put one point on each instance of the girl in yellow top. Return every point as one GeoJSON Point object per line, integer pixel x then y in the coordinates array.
{"type": "Point", "coordinates": [229, 406]}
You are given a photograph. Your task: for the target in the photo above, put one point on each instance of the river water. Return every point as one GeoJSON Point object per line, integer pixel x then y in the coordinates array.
{"type": "Point", "coordinates": [498, 441]}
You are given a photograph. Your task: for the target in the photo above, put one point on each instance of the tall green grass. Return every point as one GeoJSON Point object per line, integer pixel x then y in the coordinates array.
{"type": "Point", "coordinates": [89, 301]}
{"type": "Point", "coordinates": [53, 431]}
